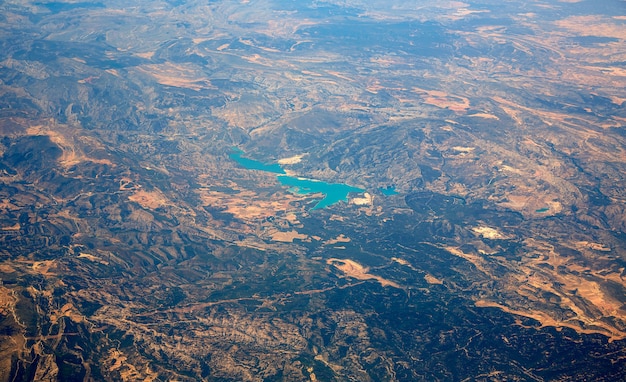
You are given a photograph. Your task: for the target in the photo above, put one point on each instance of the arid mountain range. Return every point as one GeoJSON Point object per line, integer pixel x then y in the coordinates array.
{"type": "Point", "coordinates": [471, 156]}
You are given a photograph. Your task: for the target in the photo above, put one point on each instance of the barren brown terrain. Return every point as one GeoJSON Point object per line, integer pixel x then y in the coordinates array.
{"type": "Point", "coordinates": [487, 241]}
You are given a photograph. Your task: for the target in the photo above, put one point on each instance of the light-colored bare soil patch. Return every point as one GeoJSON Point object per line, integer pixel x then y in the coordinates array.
{"type": "Point", "coordinates": [608, 70]}
{"type": "Point", "coordinates": [7, 300]}
{"type": "Point", "coordinates": [146, 55]}
{"type": "Point", "coordinates": [90, 257]}
{"type": "Point", "coordinates": [355, 270]}
{"type": "Point", "coordinates": [594, 246]}
{"type": "Point", "coordinates": [291, 160]}
{"type": "Point", "coordinates": [575, 288]}
{"type": "Point", "coordinates": [366, 200]}
{"type": "Point", "coordinates": [403, 262]}
{"type": "Point", "coordinates": [443, 100]}
{"type": "Point", "coordinates": [488, 232]}
{"type": "Point", "coordinates": [477, 260]}
{"type": "Point", "coordinates": [69, 143]}
{"type": "Point", "coordinates": [5, 268]}
{"type": "Point", "coordinates": [292, 218]}
{"type": "Point", "coordinates": [6, 204]}
{"type": "Point", "coordinates": [593, 25]}
{"type": "Point", "coordinates": [463, 149]}
{"type": "Point", "coordinates": [248, 205]}
{"type": "Point", "coordinates": [432, 279]}
{"type": "Point", "coordinates": [285, 26]}
{"type": "Point", "coordinates": [339, 239]}
{"type": "Point", "coordinates": [462, 13]}
{"type": "Point", "coordinates": [177, 75]}
{"type": "Point", "coordinates": [526, 200]}
{"type": "Point", "coordinates": [288, 237]}
{"type": "Point", "coordinates": [484, 115]}
{"type": "Point", "coordinates": [149, 199]}
{"type": "Point", "coordinates": [68, 310]}
{"type": "Point", "coordinates": [14, 227]}
{"type": "Point", "coordinates": [546, 320]}
{"type": "Point", "coordinates": [128, 371]}
{"type": "Point", "coordinates": [43, 267]}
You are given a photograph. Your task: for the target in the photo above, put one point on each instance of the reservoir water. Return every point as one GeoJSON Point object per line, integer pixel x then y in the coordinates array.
{"type": "Point", "coordinates": [251, 164]}
{"type": "Point", "coordinates": [333, 192]}
{"type": "Point", "coordinates": [388, 191]}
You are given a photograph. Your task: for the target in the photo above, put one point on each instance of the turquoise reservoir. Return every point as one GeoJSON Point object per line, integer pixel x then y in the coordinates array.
{"type": "Point", "coordinates": [333, 192]}
{"type": "Point", "coordinates": [388, 191]}
{"type": "Point", "coordinates": [251, 164]}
